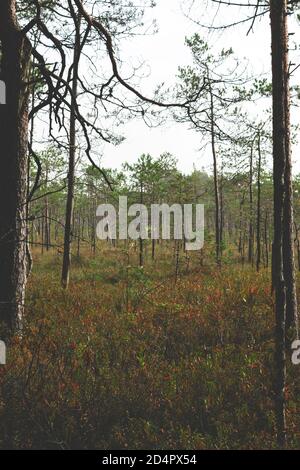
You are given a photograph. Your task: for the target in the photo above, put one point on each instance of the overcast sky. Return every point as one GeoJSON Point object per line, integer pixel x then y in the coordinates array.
{"type": "Point", "coordinates": [164, 52]}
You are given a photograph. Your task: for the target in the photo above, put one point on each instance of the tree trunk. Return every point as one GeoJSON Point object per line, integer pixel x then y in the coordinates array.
{"type": "Point", "coordinates": [222, 218]}
{"type": "Point", "coordinates": [153, 249]}
{"type": "Point", "coordinates": [297, 241]}
{"type": "Point", "coordinates": [216, 180]}
{"type": "Point", "coordinates": [282, 199]}
{"type": "Point", "coordinates": [266, 241]}
{"type": "Point", "coordinates": [65, 277]}
{"type": "Point", "coordinates": [15, 72]}
{"type": "Point", "coordinates": [240, 249]}
{"type": "Point", "coordinates": [251, 231]}
{"type": "Point", "coordinates": [258, 216]}
{"type": "Point", "coordinates": [141, 241]}
{"type": "Point", "coordinates": [47, 224]}
{"type": "Point", "coordinates": [288, 219]}
{"type": "Point", "coordinates": [31, 134]}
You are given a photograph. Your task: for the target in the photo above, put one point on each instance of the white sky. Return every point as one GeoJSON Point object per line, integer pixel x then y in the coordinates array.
{"type": "Point", "coordinates": [163, 53]}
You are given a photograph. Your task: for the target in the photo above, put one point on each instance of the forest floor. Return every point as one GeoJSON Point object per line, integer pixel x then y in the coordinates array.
{"type": "Point", "coordinates": [128, 358]}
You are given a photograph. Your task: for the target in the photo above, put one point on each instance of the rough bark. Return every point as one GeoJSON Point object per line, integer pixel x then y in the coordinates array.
{"type": "Point", "coordinates": [288, 219]}
{"type": "Point", "coordinates": [280, 86]}
{"type": "Point", "coordinates": [15, 71]}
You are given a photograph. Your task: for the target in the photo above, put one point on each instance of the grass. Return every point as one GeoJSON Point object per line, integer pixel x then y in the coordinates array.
{"type": "Point", "coordinates": [129, 359]}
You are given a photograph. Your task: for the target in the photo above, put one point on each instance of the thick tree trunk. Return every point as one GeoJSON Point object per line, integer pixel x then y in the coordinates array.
{"type": "Point", "coordinates": [15, 71]}
{"type": "Point", "coordinates": [282, 263]}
